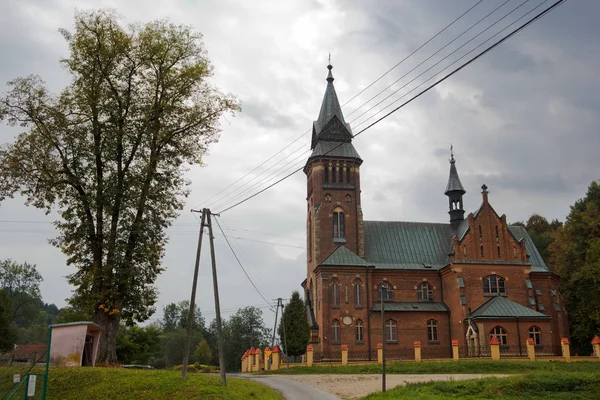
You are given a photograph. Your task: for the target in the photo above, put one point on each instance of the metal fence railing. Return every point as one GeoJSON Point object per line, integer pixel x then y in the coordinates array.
{"type": "Point", "coordinates": [436, 352]}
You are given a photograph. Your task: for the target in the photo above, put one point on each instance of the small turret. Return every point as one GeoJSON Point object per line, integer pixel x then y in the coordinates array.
{"type": "Point", "coordinates": [455, 192]}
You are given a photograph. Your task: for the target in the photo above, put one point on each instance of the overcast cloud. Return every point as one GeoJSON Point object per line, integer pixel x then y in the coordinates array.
{"type": "Point", "coordinates": [523, 120]}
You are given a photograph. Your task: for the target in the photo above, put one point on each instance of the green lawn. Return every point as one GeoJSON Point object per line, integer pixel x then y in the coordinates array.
{"type": "Point", "coordinates": [534, 385]}
{"type": "Point", "coordinates": [461, 367]}
{"type": "Point", "coordinates": [126, 384]}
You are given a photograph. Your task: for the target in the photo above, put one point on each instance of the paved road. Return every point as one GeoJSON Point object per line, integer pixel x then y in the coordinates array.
{"type": "Point", "coordinates": [291, 390]}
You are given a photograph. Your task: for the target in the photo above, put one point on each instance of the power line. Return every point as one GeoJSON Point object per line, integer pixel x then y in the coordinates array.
{"type": "Point", "coordinates": [502, 40]}
{"type": "Point", "coordinates": [355, 96]}
{"type": "Point", "coordinates": [240, 264]}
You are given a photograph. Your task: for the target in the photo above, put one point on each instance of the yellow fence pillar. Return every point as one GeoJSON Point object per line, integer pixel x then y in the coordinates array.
{"type": "Point", "coordinates": [309, 355]}
{"type": "Point", "coordinates": [251, 357]}
{"type": "Point", "coordinates": [596, 346]}
{"type": "Point", "coordinates": [379, 353]}
{"type": "Point", "coordinates": [531, 349]}
{"type": "Point", "coordinates": [344, 354]}
{"type": "Point", "coordinates": [259, 360]}
{"type": "Point", "coordinates": [276, 358]}
{"type": "Point", "coordinates": [455, 350]}
{"type": "Point", "coordinates": [566, 350]}
{"type": "Point", "coordinates": [495, 348]}
{"type": "Point", "coordinates": [417, 345]}
{"type": "Point", "coordinates": [244, 358]}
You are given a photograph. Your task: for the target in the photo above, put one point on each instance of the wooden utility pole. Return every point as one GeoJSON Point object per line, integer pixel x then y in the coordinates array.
{"type": "Point", "coordinates": [190, 326]}
{"type": "Point", "coordinates": [275, 325]}
{"type": "Point", "coordinates": [217, 304]}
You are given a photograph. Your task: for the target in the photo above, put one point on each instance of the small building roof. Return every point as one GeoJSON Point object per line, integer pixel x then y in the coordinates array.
{"type": "Point", "coordinates": [344, 257]}
{"type": "Point", "coordinates": [93, 324]}
{"type": "Point", "coordinates": [427, 306]}
{"type": "Point", "coordinates": [499, 307]}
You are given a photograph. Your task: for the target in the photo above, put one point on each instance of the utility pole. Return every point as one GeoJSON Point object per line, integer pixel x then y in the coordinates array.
{"type": "Point", "coordinates": [188, 339]}
{"type": "Point", "coordinates": [382, 337]}
{"type": "Point", "coordinates": [275, 326]}
{"type": "Point", "coordinates": [217, 304]}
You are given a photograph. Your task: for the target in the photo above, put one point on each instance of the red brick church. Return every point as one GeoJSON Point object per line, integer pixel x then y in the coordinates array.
{"type": "Point", "coordinates": [469, 279]}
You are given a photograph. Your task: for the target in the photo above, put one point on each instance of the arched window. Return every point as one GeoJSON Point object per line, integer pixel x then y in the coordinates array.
{"type": "Point", "coordinates": [496, 233]}
{"type": "Point", "coordinates": [327, 197]}
{"type": "Point", "coordinates": [500, 334]}
{"type": "Point", "coordinates": [326, 174]}
{"type": "Point", "coordinates": [493, 285]}
{"type": "Point", "coordinates": [498, 251]}
{"type": "Point", "coordinates": [481, 250]}
{"type": "Point", "coordinates": [424, 292]}
{"type": "Point", "coordinates": [333, 174]}
{"type": "Point", "coordinates": [335, 293]}
{"type": "Point", "coordinates": [341, 175]}
{"type": "Point", "coordinates": [514, 251]}
{"type": "Point", "coordinates": [432, 330]}
{"type": "Point", "coordinates": [359, 330]}
{"type": "Point", "coordinates": [339, 230]}
{"type": "Point", "coordinates": [348, 198]}
{"type": "Point", "coordinates": [385, 290]}
{"type": "Point", "coordinates": [348, 170]}
{"type": "Point", "coordinates": [357, 293]}
{"type": "Point", "coordinates": [536, 334]}
{"type": "Point", "coordinates": [464, 250]}
{"type": "Point", "coordinates": [480, 234]}
{"type": "Point", "coordinates": [335, 331]}
{"type": "Point", "coordinates": [390, 331]}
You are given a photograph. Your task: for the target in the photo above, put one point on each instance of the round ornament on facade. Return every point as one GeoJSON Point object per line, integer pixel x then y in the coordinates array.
{"type": "Point", "coordinates": [347, 320]}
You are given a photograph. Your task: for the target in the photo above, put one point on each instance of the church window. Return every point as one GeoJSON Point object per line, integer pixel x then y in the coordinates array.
{"type": "Point", "coordinates": [556, 307]}
{"type": "Point", "coordinates": [497, 233]}
{"type": "Point", "coordinates": [464, 250]}
{"type": "Point", "coordinates": [391, 334]}
{"type": "Point", "coordinates": [348, 198]}
{"type": "Point", "coordinates": [348, 175]}
{"type": "Point", "coordinates": [498, 251]}
{"type": "Point", "coordinates": [346, 293]}
{"type": "Point", "coordinates": [359, 331]}
{"type": "Point", "coordinates": [326, 174]}
{"type": "Point", "coordinates": [338, 225]}
{"type": "Point", "coordinates": [480, 234]}
{"type": "Point", "coordinates": [335, 331]}
{"type": "Point", "coordinates": [424, 292]}
{"type": "Point", "coordinates": [500, 334]}
{"type": "Point", "coordinates": [341, 175]}
{"type": "Point", "coordinates": [432, 330]}
{"type": "Point", "coordinates": [333, 174]}
{"type": "Point", "coordinates": [461, 282]}
{"type": "Point", "coordinates": [493, 285]}
{"type": "Point", "coordinates": [357, 293]}
{"type": "Point", "coordinates": [385, 290]}
{"type": "Point", "coordinates": [541, 307]}
{"type": "Point", "coordinates": [463, 300]}
{"type": "Point", "coordinates": [514, 251]}
{"type": "Point", "coordinates": [327, 197]}
{"type": "Point", "coordinates": [481, 250]}
{"type": "Point", "coordinates": [536, 334]}
{"type": "Point", "coordinates": [335, 293]}
{"type": "Point", "coordinates": [531, 301]}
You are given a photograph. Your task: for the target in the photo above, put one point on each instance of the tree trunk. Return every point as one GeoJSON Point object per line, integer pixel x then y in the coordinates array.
{"type": "Point", "coordinates": [107, 350]}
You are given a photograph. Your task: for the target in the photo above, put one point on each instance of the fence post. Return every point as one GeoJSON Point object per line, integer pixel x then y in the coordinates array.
{"type": "Point", "coordinates": [276, 358]}
{"type": "Point", "coordinates": [566, 351]}
{"type": "Point", "coordinates": [244, 361]}
{"type": "Point", "coordinates": [251, 358]}
{"type": "Point", "coordinates": [531, 349]}
{"type": "Point", "coordinates": [596, 346]}
{"type": "Point", "coordinates": [344, 354]}
{"type": "Point", "coordinates": [417, 345]}
{"type": "Point", "coordinates": [455, 350]}
{"type": "Point", "coordinates": [309, 355]}
{"type": "Point", "coordinates": [379, 353]}
{"type": "Point", "coordinates": [495, 348]}
{"type": "Point", "coordinates": [259, 361]}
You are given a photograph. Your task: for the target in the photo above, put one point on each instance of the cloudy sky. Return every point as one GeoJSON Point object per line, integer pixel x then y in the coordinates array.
{"type": "Point", "coordinates": [523, 120]}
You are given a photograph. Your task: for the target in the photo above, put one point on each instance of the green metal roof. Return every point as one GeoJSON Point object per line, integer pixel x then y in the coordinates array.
{"type": "Point", "coordinates": [343, 257]}
{"type": "Point", "coordinates": [499, 307]}
{"type": "Point", "coordinates": [411, 306]}
{"type": "Point", "coordinates": [454, 184]}
{"type": "Point", "coordinates": [407, 245]}
{"type": "Point", "coordinates": [334, 149]}
{"type": "Point", "coordinates": [536, 260]}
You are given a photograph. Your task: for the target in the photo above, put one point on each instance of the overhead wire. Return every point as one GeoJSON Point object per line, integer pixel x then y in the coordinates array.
{"type": "Point", "coordinates": [493, 46]}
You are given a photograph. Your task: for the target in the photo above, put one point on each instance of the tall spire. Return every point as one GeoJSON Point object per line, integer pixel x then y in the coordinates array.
{"type": "Point", "coordinates": [331, 106]}
{"type": "Point", "coordinates": [455, 192]}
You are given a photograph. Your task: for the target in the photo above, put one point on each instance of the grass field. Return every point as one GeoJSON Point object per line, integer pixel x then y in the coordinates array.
{"type": "Point", "coordinates": [534, 385]}
{"type": "Point", "coordinates": [125, 384]}
{"type": "Point", "coordinates": [462, 367]}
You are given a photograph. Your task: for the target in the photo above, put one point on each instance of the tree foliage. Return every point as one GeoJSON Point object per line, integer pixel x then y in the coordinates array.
{"type": "Point", "coordinates": [109, 154]}
{"type": "Point", "coordinates": [203, 353]}
{"type": "Point", "coordinates": [21, 283]}
{"type": "Point", "coordinates": [575, 254]}
{"type": "Point", "coordinates": [139, 345]}
{"type": "Point", "coordinates": [175, 316]}
{"type": "Point", "coordinates": [297, 330]}
{"type": "Point", "coordinates": [8, 334]}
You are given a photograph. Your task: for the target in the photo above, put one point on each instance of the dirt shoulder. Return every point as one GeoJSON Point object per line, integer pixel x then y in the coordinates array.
{"type": "Point", "coordinates": [357, 386]}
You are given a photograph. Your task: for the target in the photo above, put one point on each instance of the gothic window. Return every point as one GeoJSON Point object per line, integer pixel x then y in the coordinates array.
{"type": "Point", "coordinates": [493, 285]}
{"type": "Point", "coordinates": [335, 331]}
{"type": "Point", "coordinates": [357, 293]}
{"type": "Point", "coordinates": [498, 251]}
{"type": "Point", "coordinates": [346, 293]}
{"type": "Point", "coordinates": [464, 250]}
{"type": "Point", "coordinates": [327, 197]}
{"type": "Point", "coordinates": [390, 331]}
{"type": "Point", "coordinates": [536, 334]}
{"type": "Point", "coordinates": [385, 289]}
{"type": "Point", "coordinates": [359, 330]}
{"type": "Point", "coordinates": [348, 175]}
{"type": "Point", "coordinates": [335, 293]}
{"type": "Point", "coordinates": [333, 174]}
{"type": "Point", "coordinates": [348, 198]}
{"type": "Point", "coordinates": [514, 251]}
{"type": "Point", "coordinates": [341, 169]}
{"type": "Point", "coordinates": [461, 282]}
{"type": "Point", "coordinates": [338, 225]}
{"type": "Point", "coordinates": [481, 250]}
{"type": "Point", "coordinates": [326, 174]}
{"type": "Point", "coordinates": [496, 233]}
{"type": "Point", "coordinates": [480, 234]}
{"type": "Point", "coordinates": [424, 292]}
{"type": "Point", "coordinates": [432, 330]}
{"type": "Point", "coordinates": [500, 334]}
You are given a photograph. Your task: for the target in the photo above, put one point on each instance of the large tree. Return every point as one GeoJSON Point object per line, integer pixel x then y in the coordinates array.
{"type": "Point", "coordinates": [297, 330]}
{"type": "Point", "coordinates": [576, 258]}
{"type": "Point", "coordinates": [21, 284]}
{"type": "Point", "coordinates": [109, 154]}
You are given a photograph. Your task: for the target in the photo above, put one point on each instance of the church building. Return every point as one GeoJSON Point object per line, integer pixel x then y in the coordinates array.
{"type": "Point", "coordinates": [468, 279]}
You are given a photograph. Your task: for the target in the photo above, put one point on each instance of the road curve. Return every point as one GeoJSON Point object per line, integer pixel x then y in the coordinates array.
{"type": "Point", "coordinates": [291, 390]}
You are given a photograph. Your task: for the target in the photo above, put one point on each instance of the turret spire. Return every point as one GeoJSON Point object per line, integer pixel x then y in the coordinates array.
{"type": "Point", "coordinates": [455, 192]}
